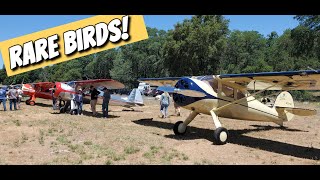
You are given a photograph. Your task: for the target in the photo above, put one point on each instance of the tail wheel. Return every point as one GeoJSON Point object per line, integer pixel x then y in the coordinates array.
{"type": "Point", "coordinates": [177, 130]}
{"type": "Point", "coordinates": [221, 135]}
{"type": "Point", "coordinates": [27, 102]}
{"type": "Point", "coordinates": [32, 103]}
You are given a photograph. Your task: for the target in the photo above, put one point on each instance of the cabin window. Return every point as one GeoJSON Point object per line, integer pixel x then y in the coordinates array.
{"type": "Point", "coordinates": [227, 91]}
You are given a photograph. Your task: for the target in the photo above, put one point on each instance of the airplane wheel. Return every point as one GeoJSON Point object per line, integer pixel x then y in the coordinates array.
{"type": "Point", "coordinates": [32, 103]}
{"type": "Point", "coordinates": [73, 112]}
{"type": "Point", "coordinates": [62, 110]}
{"type": "Point", "coordinates": [221, 135]}
{"type": "Point", "coordinates": [176, 128]}
{"type": "Point", "coordinates": [27, 102]}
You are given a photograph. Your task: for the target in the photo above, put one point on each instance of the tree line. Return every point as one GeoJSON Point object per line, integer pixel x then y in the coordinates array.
{"type": "Point", "coordinates": [201, 45]}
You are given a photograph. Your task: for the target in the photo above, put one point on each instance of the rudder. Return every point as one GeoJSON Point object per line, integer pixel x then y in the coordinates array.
{"type": "Point", "coordinates": [284, 100]}
{"type": "Point", "coordinates": [135, 97]}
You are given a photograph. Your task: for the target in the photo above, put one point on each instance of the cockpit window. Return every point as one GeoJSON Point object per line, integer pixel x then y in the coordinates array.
{"type": "Point", "coordinates": [227, 90]}
{"type": "Point", "coordinates": [71, 84]}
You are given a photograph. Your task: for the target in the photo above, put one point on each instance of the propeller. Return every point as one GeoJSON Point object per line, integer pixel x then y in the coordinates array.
{"type": "Point", "coordinates": [186, 92]}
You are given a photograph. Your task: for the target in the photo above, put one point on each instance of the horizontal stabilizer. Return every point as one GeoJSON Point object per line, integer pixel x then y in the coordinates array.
{"type": "Point", "coordinates": [186, 92]}
{"type": "Point", "coordinates": [299, 111]}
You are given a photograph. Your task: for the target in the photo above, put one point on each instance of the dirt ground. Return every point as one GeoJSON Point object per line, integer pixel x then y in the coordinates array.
{"type": "Point", "coordinates": [38, 135]}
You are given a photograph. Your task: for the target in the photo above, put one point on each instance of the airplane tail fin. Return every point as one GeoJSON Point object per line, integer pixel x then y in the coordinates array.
{"type": "Point", "coordinates": [285, 107]}
{"type": "Point", "coordinates": [283, 102]}
{"type": "Point", "coordinates": [135, 97]}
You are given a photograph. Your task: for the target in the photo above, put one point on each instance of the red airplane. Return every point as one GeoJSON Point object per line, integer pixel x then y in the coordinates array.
{"type": "Point", "coordinates": [64, 90]}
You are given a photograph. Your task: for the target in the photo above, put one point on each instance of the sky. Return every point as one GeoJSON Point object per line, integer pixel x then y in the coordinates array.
{"type": "Point", "coordinates": [15, 26]}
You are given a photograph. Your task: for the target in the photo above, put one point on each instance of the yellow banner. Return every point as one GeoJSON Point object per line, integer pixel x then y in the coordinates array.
{"type": "Point", "coordinates": [70, 41]}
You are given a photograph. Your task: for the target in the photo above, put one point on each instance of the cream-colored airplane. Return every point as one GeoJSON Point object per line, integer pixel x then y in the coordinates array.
{"type": "Point", "coordinates": [228, 96]}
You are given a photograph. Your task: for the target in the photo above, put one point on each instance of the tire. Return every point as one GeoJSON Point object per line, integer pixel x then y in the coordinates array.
{"type": "Point", "coordinates": [73, 112]}
{"type": "Point", "coordinates": [176, 128]}
{"type": "Point", "coordinates": [27, 102]}
{"type": "Point", "coordinates": [32, 103]}
{"type": "Point", "coordinates": [62, 110]}
{"type": "Point", "coordinates": [221, 135]}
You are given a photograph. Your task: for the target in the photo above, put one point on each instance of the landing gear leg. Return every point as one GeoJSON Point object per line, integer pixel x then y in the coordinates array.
{"type": "Point", "coordinates": [221, 134]}
{"type": "Point", "coordinates": [180, 127]}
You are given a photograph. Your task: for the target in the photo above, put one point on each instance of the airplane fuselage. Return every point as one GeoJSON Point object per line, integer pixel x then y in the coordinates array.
{"type": "Point", "coordinates": [247, 109]}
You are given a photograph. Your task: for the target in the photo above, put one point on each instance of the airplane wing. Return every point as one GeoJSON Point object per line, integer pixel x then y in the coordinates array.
{"type": "Point", "coordinates": [286, 80]}
{"type": "Point", "coordinates": [38, 86]}
{"type": "Point", "coordinates": [108, 83]}
{"type": "Point", "coordinates": [167, 81]}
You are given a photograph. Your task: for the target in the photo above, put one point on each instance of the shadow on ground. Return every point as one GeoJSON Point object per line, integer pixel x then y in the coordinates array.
{"type": "Point", "coordinates": [87, 113]}
{"type": "Point", "coordinates": [239, 137]}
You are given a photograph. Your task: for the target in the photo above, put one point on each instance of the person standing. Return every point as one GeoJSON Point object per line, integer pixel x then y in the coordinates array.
{"type": "Point", "coordinates": [79, 101]}
{"type": "Point", "coordinates": [105, 104]}
{"type": "Point", "coordinates": [3, 97]}
{"type": "Point", "coordinates": [13, 94]}
{"type": "Point", "coordinates": [165, 102]}
{"type": "Point", "coordinates": [19, 97]}
{"type": "Point", "coordinates": [94, 97]}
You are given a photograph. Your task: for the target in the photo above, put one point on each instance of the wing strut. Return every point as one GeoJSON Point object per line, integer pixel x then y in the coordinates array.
{"type": "Point", "coordinates": [236, 101]}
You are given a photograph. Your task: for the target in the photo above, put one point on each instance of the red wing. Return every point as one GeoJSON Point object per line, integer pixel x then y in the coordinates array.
{"type": "Point", "coordinates": [108, 83]}
{"type": "Point", "coordinates": [44, 85]}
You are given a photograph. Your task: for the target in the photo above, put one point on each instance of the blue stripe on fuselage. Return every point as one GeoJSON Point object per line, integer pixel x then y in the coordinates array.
{"type": "Point", "coordinates": [187, 83]}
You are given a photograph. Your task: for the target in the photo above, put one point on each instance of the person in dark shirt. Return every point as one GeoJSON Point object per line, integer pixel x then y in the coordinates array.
{"type": "Point", "coordinates": [94, 97]}
{"type": "Point", "coordinates": [105, 104]}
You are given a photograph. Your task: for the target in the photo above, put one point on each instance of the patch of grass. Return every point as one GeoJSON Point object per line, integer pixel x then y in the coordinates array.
{"type": "Point", "coordinates": [171, 154]}
{"type": "Point", "coordinates": [108, 162]}
{"type": "Point", "coordinates": [152, 152]}
{"type": "Point", "coordinates": [119, 157]}
{"type": "Point", "coordinates": [41, 137]}
{"type": "Point", "coordinates": [51, 131]}
{"type": "Point", "coordinates": [184, 157]}
{"type": "Point", "coordinates": [62, 139]}
{"type": "Point", "coordinates": [88, 143]}
{"type": "Point", "coordinates": [75, 147]}
{"type": "Point", "coordinates": [131, 150]}
{"type": "Point", "coordinates": [110, 153]}
{"type": "Point", "coordinates": [85, 156]}
{"type": "Point", "coordinates": [17, 122]}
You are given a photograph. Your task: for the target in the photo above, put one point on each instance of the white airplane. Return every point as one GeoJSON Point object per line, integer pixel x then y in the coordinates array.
{"type": "Point", "coordinates": [228, 96]}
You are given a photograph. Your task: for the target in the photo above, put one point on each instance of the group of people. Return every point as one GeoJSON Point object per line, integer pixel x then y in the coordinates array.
{"type": "Point", "coordinates": [78, 99]}
{"type": "Point", "coordinates": [165, 103]}
{"type": "Point", "coordinates": [14, 94]}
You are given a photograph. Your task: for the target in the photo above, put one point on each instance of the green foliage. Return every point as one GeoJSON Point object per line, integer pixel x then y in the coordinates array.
{"type": "Point", "coordinates": [197, 46]}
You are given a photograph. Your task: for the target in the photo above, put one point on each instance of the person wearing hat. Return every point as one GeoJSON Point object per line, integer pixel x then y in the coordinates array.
{"type": "Point", "coordinates": [3, 97]}
{"type": "Point", "coordinates": [79, 101]}
{"type": "Point", "coordinates": [105, 104]}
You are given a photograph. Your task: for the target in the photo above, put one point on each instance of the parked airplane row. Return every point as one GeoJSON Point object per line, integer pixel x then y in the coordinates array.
{"type": "Point", "coordinates": [228, 95]}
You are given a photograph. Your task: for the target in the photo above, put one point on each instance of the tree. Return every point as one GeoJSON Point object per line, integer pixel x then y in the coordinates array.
{"type": "Point", "coordinates": [310, 21]}
{"type": "Point", "coordinates": [245, 53]}
{"type": "Point", "coordinates": [196, 45]}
